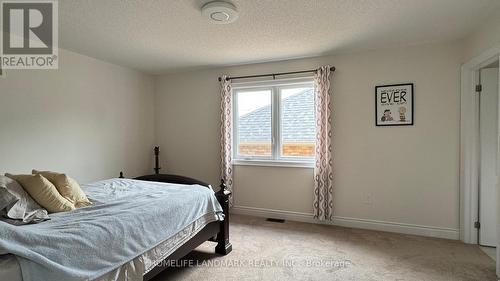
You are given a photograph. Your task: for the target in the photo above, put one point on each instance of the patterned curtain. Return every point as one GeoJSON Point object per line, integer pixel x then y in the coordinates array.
{"type": "Point", "coordinates": [323, 175]}
{"type": "Point", "coordinates": [226, 130]}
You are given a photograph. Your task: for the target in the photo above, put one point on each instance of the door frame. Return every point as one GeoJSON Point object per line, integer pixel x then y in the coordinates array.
{"type": "Point", "coordinates": [469, 144]}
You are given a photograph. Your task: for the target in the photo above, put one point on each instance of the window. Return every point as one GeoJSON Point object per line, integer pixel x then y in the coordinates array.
{"type": "Point", "coordinates": [274, 122]}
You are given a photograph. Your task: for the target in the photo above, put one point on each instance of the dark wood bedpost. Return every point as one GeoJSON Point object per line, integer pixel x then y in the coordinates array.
{"type": "Point", "coordinates": [223, 247]}
{"type": "Point", "coordinates": [157, 161]}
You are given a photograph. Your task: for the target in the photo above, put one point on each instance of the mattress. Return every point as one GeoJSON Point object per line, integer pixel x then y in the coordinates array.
{"type": "Point", "coordinates": [134, 210]}
{"type": "Point", "coordinates": [134, 269]}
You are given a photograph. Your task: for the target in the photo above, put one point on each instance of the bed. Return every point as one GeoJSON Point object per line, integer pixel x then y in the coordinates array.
{"type": "Point", "coordinates": [133, 230]}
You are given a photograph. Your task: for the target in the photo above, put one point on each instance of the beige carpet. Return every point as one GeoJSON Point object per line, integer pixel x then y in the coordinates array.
{"type": "Point", "coordinates": [300, 251]}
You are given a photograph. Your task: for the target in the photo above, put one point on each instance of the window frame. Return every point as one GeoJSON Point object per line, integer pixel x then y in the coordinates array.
{"type": "Point", "coordinates": [275, 159]}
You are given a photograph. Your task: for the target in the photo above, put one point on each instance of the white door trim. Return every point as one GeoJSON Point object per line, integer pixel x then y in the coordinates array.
{"type": "Point", "coordinates": [469, 143]}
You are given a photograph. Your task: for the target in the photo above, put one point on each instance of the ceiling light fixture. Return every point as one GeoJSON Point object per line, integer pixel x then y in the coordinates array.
{"type": "Point", "coordinates": [219, 12]}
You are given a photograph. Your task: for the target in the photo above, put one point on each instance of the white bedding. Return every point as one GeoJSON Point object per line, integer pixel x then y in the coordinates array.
{"type": "Point", "coordinates": [10, 269]}
{"type": "Point", "coordinates": [135, 268]}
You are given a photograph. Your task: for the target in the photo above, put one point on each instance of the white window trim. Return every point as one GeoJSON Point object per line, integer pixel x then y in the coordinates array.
{"type": "Point", "coordinates": [274, 163]}
{"type": "Point", "coordinates": [274, 159]}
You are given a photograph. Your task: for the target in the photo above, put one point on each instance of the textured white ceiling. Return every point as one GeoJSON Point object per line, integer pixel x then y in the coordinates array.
{"type": "Point", "coordinates": [158, 36]}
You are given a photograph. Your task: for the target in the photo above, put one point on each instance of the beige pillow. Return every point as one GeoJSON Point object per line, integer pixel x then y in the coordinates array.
{"type": "Point", "coordinates": [43, 192]}
{"type": "Point", "coordinates": [67, 187]}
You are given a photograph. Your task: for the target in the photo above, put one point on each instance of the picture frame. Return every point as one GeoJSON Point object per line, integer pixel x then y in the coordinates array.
{"type": "Point", "coordinates": [394, 105]}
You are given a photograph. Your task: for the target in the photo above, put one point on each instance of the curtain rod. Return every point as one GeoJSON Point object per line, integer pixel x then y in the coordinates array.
{"type": "Point", "coordinates": [272, 74]}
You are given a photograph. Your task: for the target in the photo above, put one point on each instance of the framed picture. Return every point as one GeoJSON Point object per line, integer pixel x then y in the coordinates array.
{"type": "Point", "coordinates": [394, 105]}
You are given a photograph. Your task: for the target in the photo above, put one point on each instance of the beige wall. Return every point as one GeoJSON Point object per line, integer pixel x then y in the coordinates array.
{"type": "Point", "coordinates": [90, 119]}
{"type": "Point", "coordinates": [486, 36]}
{"type": "Point", "coordinates": [410, 173]}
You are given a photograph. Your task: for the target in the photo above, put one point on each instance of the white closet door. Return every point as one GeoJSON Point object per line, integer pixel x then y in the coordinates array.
{"type": "Point", "coordinates": [488, 170]}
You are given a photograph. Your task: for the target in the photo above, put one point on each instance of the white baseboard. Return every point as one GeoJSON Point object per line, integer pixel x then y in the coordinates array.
{"type": "Point", "coordinates": [422, 230]}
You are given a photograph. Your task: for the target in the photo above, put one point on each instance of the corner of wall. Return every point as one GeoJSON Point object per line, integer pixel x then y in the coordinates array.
{"type": "Point", "coordinates": [483, 37]}
{"type": "Point", "coordinates": [154, 96]}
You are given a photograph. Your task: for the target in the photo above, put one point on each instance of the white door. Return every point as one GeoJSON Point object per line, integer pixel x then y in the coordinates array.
{"type": "Point", "coordinates": [488, 165]}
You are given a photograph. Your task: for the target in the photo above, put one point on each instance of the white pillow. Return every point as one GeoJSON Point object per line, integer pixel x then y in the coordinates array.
{"type": "Point", "coordinates": [25, 208]}
{"type": "Point", "coordinates": [6, 198]}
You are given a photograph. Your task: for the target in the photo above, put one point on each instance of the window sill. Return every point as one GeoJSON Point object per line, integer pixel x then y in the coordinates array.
{"type": "Point", "coordinates": [274, 163]}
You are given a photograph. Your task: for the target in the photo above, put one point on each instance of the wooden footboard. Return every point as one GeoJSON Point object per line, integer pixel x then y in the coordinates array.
{"type": "Point", "coordinates": [205, 234]}
{"type": "Point", "coordinates": [216, 231]}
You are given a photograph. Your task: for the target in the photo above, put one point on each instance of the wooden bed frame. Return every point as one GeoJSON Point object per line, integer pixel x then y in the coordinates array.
{"type": "Point", "coordinates": [217, 231]}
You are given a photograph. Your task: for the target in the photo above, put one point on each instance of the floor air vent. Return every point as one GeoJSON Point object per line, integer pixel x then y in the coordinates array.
{"type": "Point", "coordinates": [275, 220]}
